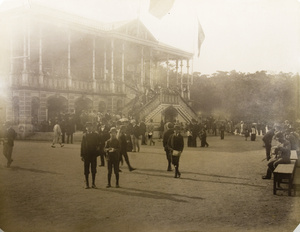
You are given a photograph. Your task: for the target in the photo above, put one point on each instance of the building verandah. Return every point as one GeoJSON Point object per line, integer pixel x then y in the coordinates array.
{"type": "Point", "coordinates": [50, 57]}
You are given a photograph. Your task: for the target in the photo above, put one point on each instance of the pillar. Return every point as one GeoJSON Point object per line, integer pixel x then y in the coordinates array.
{"type": "Point", "coordinates": [69, 61]}
{"type": "Point", "coordinates": [192, 72]}
{"type": "Point", "coordinates": [94, 65]}
{"type": "Point", "coordinates": [123, 67]}
{"type": "Point", "coordinates": [176, 71]}
{"type": "Point", "coordinates": [41, 74]}
{"type": "Point", "coordinates": [150, 70]}
{"type": "Point", "coordinates": [188, 79]}
{"type": "Point", "coordinates": [112, 84]}
{"type": "Point", "coordinates": [168, 73]}
{"type": "Point", "coordinates": [181, 78]}
{"type": "Point", "coordinates": [104, 63]}
{"type": "Point", "coordinates": [142, 69]}
{"type": "Point", "coordinates": [25, 71]}
{"type": "Point", "coordinates": [11, 59]}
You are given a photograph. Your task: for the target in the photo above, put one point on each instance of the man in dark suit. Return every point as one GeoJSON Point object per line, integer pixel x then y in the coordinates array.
{"type": "Point", "coordinates": [9, 137]}
{"type": "Point", "coordinates": [89, 151]}
{"type": "Point", "coordinates": [166, 137]}
{"type": "Point", "coordinates": [112, 149]}
{"type": "Point", "coordinates": [104, 136]}
{"type": "Point", "coordinates": [267, 139]}
{"type": "Point", "coordinates": [176, 145]}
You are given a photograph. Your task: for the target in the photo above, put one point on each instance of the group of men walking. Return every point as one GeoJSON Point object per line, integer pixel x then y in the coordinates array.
{"type": "Point", "coordinates": [111, 144]}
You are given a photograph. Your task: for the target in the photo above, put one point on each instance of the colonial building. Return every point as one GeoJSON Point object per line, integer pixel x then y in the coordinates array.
{"type": "Point", "coordinates": [54, 62]}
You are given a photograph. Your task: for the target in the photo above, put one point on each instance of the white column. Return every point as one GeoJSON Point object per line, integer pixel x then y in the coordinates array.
{"type": "Point", "coordinates": [168, 72]}
{"type": "Point", "coordinates": [176, 71]}
{"type": "Point", "coordinates": [112, 60]}
{"type": "Point", "coordinates": [112, 84]}
{"type": "Point", "coordinates": [192, 72]}
{"type": "Point", "coordinates": [156, 75]}
{"type": "Point", "coordinates": [123, 67]}
{"type": "Point", "coordinates": [94, 59]}
{"type": "Point", "coordinates": [11, 59]}
{"type": "Point", "coordinates": [181, 78]}
{"type": "Point", "coordinates": [25, 72]}
{"type": "Point", "coordinates": [69, 61]}
{"type": "Point", "coordinates": [94, 64]}
{"type": "Point", "coordinates": [28, 40]}
{"type": "Point", "coordinates": [188, 78]}
{"type": "Point", "coordinates": [104, 65]}
{"type": "Point", "coordinates": [41, 75]}
{"type": "Point", "coordinates": [150, 69]}
{"type": "Point", "coordinates": [123, 62]}
{"type": "Point", "coordinates": [142, 68]}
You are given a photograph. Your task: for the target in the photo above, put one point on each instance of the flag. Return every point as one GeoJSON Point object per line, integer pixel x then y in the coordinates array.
{"type": "Point", "coordinates": [201, 37]}
{"type": "Point", "coordinates": [159, 8]}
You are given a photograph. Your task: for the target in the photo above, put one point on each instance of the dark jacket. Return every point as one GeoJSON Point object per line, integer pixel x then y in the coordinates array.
{"type": "Point", "coordinates": [268, 137]}
{"type": "Point", "coordinates": [176, 142]}
{"type": "Point", "coordinates": [136, 131]}
{"type": "Point", "coordinates": [166, 136]}
{"type": "Point", "coordinates": [123, 143]}
{"type": "Point", "coordinates": [10, 136]}
{"type": "Point", "coordinates": [90, 145]}
{"type": "Point", "coordinates": [112, 143]}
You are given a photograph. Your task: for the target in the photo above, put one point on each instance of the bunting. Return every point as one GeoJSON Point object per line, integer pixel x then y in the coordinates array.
{"type": "Point", "coordinates": [159, 8]}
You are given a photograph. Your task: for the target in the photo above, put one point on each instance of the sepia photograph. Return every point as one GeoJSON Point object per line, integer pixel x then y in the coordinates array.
{"type": "Point", "coordinates": [149, 115]}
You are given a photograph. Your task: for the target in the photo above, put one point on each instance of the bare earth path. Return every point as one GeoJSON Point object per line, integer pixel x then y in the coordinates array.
{"type": "Point", "coordinates": [220, 190]}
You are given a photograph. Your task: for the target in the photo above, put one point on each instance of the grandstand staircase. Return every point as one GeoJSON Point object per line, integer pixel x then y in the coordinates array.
{"type": "Point", "coordinates": [156, 107]}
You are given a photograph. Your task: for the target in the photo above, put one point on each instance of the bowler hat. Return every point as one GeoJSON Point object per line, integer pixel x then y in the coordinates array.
{"type": "Point", "coordinates": [170, 125]}
{"type": "Point", "coordinates": [177, 127]}
{"type": "Point", "coordinates": [88, 124]}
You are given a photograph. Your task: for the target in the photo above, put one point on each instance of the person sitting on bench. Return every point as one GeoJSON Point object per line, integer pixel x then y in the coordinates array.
{"type": "Point", "coordinates": [282, 155]}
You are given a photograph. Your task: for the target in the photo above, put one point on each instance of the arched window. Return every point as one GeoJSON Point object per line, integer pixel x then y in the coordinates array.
{"type": "Point", "coordinates": [119, 105]}
{"type": "Point", "coordinates": [56, 106]}
{"type": "Point", "coordinates": [83, 108]}
{"type": "Point", "coordinates": [101, 107]}
{"type": "Point", "coordinates": [35, 105]}
{"type": "Point", "coordinates": [16, 110]}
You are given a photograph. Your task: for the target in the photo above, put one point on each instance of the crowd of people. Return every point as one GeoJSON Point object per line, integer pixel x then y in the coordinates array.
{"type": "Point", "coordinates": [111, 137]}
{"type": "Point", "coordinates": [112, 140]}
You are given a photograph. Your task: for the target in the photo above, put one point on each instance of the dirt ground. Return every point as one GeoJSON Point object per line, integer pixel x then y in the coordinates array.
{"type": "Point", "coordinates": [220, 189]}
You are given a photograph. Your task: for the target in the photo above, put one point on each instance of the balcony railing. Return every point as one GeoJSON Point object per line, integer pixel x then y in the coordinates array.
{"type": "Point", "coordinates": [62, 83]}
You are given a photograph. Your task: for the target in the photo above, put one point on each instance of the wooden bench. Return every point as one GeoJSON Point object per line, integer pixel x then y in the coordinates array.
{"type": "Point", "coordinates": [294, 156]}
{"type": "Point", "coordinates": [296, 181]}
{"type": "Point", "coordinates": [284, 173]}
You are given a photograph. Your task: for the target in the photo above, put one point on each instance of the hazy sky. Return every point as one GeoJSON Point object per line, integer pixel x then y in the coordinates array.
{"type": "Point", "coordinates": [241, 35]}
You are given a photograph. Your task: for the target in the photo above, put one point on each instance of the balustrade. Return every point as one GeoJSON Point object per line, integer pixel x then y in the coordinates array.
{"type": "Point", "coordinates": [61, 83]}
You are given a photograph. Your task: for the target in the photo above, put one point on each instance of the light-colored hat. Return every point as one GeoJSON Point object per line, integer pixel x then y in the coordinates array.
{"type": "Point", "coordinates": [113, 130]}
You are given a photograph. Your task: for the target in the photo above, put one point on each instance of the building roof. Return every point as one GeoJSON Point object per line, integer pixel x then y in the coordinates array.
{"type": "Point", "coordinates": [88, 19]}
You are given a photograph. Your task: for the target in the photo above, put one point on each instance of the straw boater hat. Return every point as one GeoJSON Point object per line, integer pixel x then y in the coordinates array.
{"type": "Point", "coordinates": [113, 130]}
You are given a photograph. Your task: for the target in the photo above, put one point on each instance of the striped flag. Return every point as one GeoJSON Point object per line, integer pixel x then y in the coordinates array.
{"type": "Point", "coordinates": [201, 37]}
{"type": "Point", "coordinates": [159, 8]}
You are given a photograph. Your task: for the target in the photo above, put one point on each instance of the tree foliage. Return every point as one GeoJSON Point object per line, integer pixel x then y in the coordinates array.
{"type": "Point", "coordinates": [246, 96]}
